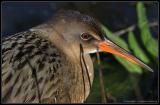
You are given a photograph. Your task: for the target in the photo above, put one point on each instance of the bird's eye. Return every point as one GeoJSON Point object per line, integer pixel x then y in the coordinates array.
{"type": "Point", "coordinates": [85, 36]}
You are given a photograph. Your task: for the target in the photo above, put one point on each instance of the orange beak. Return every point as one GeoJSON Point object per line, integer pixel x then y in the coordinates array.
{"type": "Point", "coordinates": [108, 46]}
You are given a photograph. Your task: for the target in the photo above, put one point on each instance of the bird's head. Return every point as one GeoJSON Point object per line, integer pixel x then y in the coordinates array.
{"type": "Point", "coordinates": [77, 28]}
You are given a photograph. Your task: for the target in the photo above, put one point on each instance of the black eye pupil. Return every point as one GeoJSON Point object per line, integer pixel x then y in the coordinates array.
{"type": "Point", "coordinates": [85, 36]}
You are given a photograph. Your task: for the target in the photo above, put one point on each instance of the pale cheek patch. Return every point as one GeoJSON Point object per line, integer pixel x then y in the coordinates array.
{"type": "Point", "coordinates": [91, 51]}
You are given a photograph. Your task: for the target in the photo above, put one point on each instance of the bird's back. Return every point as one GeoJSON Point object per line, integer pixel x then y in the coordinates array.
{"type": "Point", "coordinates": [33, 70]}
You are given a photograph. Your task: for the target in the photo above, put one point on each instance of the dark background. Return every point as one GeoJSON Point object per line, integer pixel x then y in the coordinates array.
{"type": "Point", "coordinates": [20, 16]}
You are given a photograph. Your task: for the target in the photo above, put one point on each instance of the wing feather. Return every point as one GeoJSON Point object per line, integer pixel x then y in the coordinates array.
{"type": "Point", "coordinates": [18, 83]}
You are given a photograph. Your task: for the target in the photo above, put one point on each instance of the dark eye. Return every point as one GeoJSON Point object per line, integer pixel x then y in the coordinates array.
{"type": "Point", "coordinates": [85, 36]}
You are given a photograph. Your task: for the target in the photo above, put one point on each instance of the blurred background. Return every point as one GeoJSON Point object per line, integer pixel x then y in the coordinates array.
{"type": "Point", "coordinates": [132, 25]}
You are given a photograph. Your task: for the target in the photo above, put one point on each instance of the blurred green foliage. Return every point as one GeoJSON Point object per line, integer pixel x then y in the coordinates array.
{"type": "Point", "coordinates": [122, 79]}
{"type": "Point", "coordinates": [136, 48]}
{"type": "Point", "coordinates": [146, 36]}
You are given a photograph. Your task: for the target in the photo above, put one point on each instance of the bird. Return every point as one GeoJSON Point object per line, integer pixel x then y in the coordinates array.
{"type": "Point", "coordinates": [51, 63]}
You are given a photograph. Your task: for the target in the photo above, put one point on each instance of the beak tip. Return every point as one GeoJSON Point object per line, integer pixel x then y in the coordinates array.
{"type": "Point", "coordinates": [149, 69]}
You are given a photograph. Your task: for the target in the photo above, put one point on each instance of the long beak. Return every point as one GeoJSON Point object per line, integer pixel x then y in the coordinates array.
{"type": "Point", "coordinates": [108, 46]}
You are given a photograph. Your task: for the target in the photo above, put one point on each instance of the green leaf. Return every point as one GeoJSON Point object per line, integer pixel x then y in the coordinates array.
{"type": "Point", "coordinates": [149, 42]}
{"type": "Point", "coordinates": [115, 38]}
{"type": "Point", "coordinates": [128, 65]}
{"type": "Point", "coordinates": [136, 48]}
